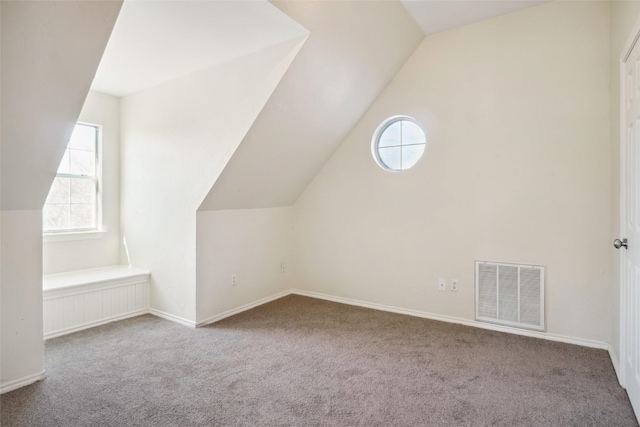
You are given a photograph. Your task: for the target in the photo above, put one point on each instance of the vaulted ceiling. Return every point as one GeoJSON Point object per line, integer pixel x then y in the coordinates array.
{"type": "Point", "coordinates": [154, 42]}
{"type": "Point", "coordinates": [50, 52]}
{"type": "Point", "coordinates": [354, 49]}
{"type": "Point", "coordinates": [435, 16]}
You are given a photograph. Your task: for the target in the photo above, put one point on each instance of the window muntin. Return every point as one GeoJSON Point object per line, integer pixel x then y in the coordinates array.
{"type": "Point", "coordinates": [72, 203]}
{"type": "Point", "coordinates": [398, 143]}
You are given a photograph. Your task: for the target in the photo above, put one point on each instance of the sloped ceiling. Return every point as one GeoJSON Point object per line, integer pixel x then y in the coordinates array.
{"type": "Point", "coordinates": [154, 42]}
{"type": "Point", "coordinates": [50, 53]}
{"type": "Point", "coordinates": [434, 16]}
{"type": "Point", "coordinates": [353, 51]}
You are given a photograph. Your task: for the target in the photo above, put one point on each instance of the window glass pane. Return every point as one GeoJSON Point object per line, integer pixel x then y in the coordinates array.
{"type": "Point", "coordinates": [390, 136]}
{"type": "Point", "coordinates": [83, 138]}
{"type": "Point", "coordinates": [411, 133]}
{"type": "Point", "coordinates": [83, 190]}
{"type": "Point", "coordinates": [411, 155]}
{"type": "Point", "coordinates": [390, 157]}
{"type": "Point", "coordinates": [72, 202]}
{"type": "Point", "coordinates": [56, 217]}
{"type": "Point", "coordinates": [59, 192]}
{"type": "Point", "coordinates": [64, 163]}
{"type": "Point", "coordinates": [399, 144]}
{"type": "Point", "coordinates": [83, 215]}
{"type": "Point", "coordinates": [82, 162]}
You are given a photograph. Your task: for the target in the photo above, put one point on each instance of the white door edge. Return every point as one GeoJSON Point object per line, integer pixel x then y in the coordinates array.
{"type": "Point", "coordinates": [632, 39]}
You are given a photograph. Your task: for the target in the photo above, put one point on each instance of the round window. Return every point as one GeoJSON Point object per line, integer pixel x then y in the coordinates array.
{"type": "Point", "coordinates": [398, 143]}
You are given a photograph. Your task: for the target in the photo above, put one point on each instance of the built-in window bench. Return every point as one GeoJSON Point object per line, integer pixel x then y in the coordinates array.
{"type": "Point", "coordinates": [82, 299]}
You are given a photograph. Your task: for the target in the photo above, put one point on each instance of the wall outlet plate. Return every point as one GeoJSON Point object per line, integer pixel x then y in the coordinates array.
{"type": "Point", "coordinates": [454, 285]}
{"type": "Point", "coordinates": [442, 285]}
{"type": "Point", "coordinates": [234, 279]}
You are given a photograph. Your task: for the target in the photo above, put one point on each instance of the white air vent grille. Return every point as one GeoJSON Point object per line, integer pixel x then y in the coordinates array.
{"type": "Point", "coordinates": [510, 294]}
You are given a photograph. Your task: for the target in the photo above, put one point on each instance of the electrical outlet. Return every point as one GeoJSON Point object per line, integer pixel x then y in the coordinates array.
{"type": "Point", "coordinates": [234, 279]}
{"type": "Point", "coordinates": [283, 267]}
{"type": "Point", "coordinates": [442, 285]}
{"type": "Point", "coordinates": [454, 285]}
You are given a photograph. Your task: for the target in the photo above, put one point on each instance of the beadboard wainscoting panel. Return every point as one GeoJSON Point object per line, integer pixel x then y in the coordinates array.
{"type": "Point", "coordinates": [70, 309]}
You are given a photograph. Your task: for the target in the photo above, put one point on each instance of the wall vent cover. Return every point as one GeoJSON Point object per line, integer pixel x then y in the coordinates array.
{"type": "Point", "coordinates": [510, 294]}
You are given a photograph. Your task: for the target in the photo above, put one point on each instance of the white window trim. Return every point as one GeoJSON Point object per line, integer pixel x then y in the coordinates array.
{"type": "Point", "coordinates": [72, 235]}
{"type": "Point", "coordinates": [378, 133]}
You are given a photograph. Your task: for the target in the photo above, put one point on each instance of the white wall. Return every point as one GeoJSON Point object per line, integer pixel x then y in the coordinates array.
{"type": "Point", "coordinates": [517, 169]}
{"type": "Point", "coordinates": [331, 82]}
{"type": "Point", "coordinates": [68, 255]}
{"type": "Point", "coordinates": [251, 243]}
{"type": "Point", "coordinates": [353, 52]}
{"type": "Point", "coordinates": [176, 139]}
{"type": "Point", "coordinates": [50, 52]}
{"type": "Point", "coordinates": [21, 303]}
{"type": "Point", "coordinates": [624, 14]}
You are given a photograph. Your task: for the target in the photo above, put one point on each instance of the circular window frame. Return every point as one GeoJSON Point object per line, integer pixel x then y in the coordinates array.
{"type": "Point", "coordinates": [375, 141]}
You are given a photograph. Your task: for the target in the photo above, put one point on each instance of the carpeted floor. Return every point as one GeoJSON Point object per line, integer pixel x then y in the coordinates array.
{"type": "Point", "coordinates": [303, 362]}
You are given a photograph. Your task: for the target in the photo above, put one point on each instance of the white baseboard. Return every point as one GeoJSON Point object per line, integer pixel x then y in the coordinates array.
{"type": "Point", "coordinates": [240, 309]}
{"type": "Point", "coordinates": [172, 317]}
{"type": "Point", "coordinates": [83, 326]}
{"type": "Point", "coordinates": [616, 365]}
{"type": "Point", "coordinates": [458, 320]}
{"type": "Point", "coordinates": [21, 382]}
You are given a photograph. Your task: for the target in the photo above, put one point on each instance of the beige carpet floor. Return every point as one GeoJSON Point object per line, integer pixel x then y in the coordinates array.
{"type": "Point", "coordinates": [304, 362]}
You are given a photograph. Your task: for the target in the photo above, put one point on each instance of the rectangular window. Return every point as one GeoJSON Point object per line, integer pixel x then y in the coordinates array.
{"type": "Point", "coordinates": [73, 203]}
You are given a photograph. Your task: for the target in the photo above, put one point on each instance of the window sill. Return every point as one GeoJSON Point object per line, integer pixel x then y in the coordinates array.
{"type": "Point", "coordinates": [78, 235]}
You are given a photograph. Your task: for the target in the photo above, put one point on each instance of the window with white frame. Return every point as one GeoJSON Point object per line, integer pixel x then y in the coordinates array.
{"type": "Point", "coordinates": [398, 143]}
{"type": "Point", "coordinates": [73, 201]}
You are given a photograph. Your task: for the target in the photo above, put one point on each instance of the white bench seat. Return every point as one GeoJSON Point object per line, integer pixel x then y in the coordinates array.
{"type": "Point", "coordinates": [82, 299]}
